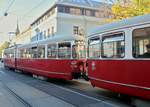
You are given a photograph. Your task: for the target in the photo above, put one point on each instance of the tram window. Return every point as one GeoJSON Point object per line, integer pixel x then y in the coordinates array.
{"type": "Point", "coordinates": [74, 51]}
{"type": "Point", "coordinates": [21, 53]}
{"type": "Point", "coordinates": [94, 48]}
{"type": "Point", "coordinates": [41, 52]}
{"type": "Point", "coordinates": [52, 51]}
{"type": "Point", "coordinates": [28, 53]}
{"type": "Point", "coordinates": [113, 46]}
{"type": "Point", "coordinates": [5, 54]}
{"type": "Point", "coordinates": [11, 54]}
{"type": "Point", "coordinates": [64, 50]}
{"type": "Point", "coordinates": [34, 52]}
{"type": "Point", "coordinates": [141, 43]}
{"type": "Point", "coordinates": [78, 49]}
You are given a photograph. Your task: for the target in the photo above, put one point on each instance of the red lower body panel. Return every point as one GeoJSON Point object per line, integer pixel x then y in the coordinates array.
{"type": "Point", "coordinates": [60, 69]}
{"type": "Point", "coordinates": [123, 76]}
{"type": "Point", "coordinates": [9, 62]}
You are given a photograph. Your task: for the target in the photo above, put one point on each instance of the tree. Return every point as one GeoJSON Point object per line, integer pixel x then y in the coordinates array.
{"type": "Point", "coordinates": [123, 9]}
{"type": "Point", "coordinates": [3, 46]}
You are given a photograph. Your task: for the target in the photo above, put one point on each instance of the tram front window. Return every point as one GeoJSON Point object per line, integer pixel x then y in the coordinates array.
{"type": "Point", "coordinates": [78, 51]}
{"type": "Point", "coordinates": [141, 43]}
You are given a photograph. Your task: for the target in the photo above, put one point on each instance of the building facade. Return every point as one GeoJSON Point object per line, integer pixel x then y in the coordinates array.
{"type": "Point", "coordinates": [23, 37]}
{"type": "Point", "coordinates": [70, 17]}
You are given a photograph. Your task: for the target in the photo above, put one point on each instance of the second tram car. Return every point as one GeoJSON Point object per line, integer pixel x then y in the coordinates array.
{"type": "Point", "coordinates": [56, 57]}
{"type": "Point", "coordinates": [9, 57]}
{"type": "Point", "coordinates": [119, 57]}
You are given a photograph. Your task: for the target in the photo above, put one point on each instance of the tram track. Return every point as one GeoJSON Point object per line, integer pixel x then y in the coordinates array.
{"type": "Point", "coordinates": [46, 86]}
{"type": "Point", "coordinates": [25, 103]}
{"type": "Point", "coordinates": [21, 100]}
{"type": "Point", "coordinates": [11, 92]}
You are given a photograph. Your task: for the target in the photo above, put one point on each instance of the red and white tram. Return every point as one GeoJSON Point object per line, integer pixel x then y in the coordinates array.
{"type": "Point", "coordinates": [57, 57]}
{"type": "Point", "coordinates": [9, 59]}
{"type": "Point", "coordinates": [119, 57]}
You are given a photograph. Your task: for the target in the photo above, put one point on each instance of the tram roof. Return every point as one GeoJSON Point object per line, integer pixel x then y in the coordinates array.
{"type": "Point", "coordinates": [57, 38]}
{"type": "Point", "coordinates": [121, 24]}
{"type": "Point", "coordinates": [62, 38]}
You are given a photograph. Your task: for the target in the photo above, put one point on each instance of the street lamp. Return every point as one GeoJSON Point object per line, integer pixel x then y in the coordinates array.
{"type": "Point", "coordinates": [5, 14]}
{"type": "Point", "coordinates": [10, 34]}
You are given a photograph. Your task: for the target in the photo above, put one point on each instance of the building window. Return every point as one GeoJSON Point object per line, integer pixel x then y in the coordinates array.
{"type": "Point", "coordinates": [75, 11]}
{"type": "Point", "coordinates": [93, 13]}
{"type": "Point", "coordinates": [67, 10]}
{"type": "Point", "coordinates": [44, 34]}
{"type": "Point", "coordinates": [52, 30]}
{"type": "Point", "coordinates": [82, 11]}
{"type": "Point", "coordinates": [76, 30]}
{"type": "Point", "coordinates": [48, 33]}
{"type": "Point", "coordinates": [88, 13]}
{"type": "Point", "coordinates": [113, 46]}
{"type": "Point", "coordinates": [63, 9]}
{"type": "Point", "coordinates": [78, 11]}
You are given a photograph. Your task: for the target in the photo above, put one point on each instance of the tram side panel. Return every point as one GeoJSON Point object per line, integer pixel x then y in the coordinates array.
{"type": "Point", "coordinates": [123, 76]}
{"type": "Point", "coordinates": [9, 62]}
{"type": "Point", "coordinates": [61, 69]}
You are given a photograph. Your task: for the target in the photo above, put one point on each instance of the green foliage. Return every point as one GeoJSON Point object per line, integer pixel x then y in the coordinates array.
{"type": "Point", "coordinates": [3, 46]}
{"type": "Point", "coordinates": [134, 8]}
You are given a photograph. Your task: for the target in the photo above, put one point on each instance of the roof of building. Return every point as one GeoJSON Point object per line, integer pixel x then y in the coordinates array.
{"type": "Point", "coordinates": [121, 24]}
{"type": "Point", "coordinates": [84, 3]}
{"type": "Point", "coordinates": [90, 4]}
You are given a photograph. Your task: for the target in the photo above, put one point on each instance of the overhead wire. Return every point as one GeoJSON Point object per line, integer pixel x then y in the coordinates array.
{"type": "Point", "coordinates": [32, 9]}
{"type": "Point", "coordinates": [9, 6]}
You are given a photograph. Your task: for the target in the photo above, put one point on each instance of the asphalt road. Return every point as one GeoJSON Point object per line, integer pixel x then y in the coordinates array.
{"type": "Point", "coordinates": [77, 92]}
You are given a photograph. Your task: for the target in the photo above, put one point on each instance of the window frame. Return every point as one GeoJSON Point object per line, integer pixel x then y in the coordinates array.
{"type": "Point", "coordinates": [56, 50]}
{"type": "Point", "coordinates": [70, 50]}
{"type": "Point", "coordinates": [137, 28]}
{"type": "Point", "coordinates": [113, 33]}
{"type": "Point", "coordinates": [76, 30]}
{"type": "Point", "coordinates": [79, 43]}
{"type": "Point", "coordinates": [98, 36]}
{"type": "Point", "coordinates": [39, 50]}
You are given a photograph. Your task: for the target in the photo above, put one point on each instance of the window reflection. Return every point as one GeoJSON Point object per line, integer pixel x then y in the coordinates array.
{"type": "Point", "coordinates": [113, 46]}
{"type": "Point", "coordinates": [141, 43]}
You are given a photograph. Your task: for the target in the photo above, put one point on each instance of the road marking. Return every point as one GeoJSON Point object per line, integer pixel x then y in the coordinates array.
{"type": "Point", "coordinates": [89, 97]}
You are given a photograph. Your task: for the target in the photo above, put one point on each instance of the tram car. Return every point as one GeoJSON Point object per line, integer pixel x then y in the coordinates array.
{"type": "Point", "coordinates": [9, 57]}
{"type": "Point", "coordinates": [57, 57]}
{"type": "Point", "coordinates": [119, 57]}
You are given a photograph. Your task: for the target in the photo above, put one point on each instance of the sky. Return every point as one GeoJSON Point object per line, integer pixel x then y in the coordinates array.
{"type": "Point", "coordinates": [22, 11]}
